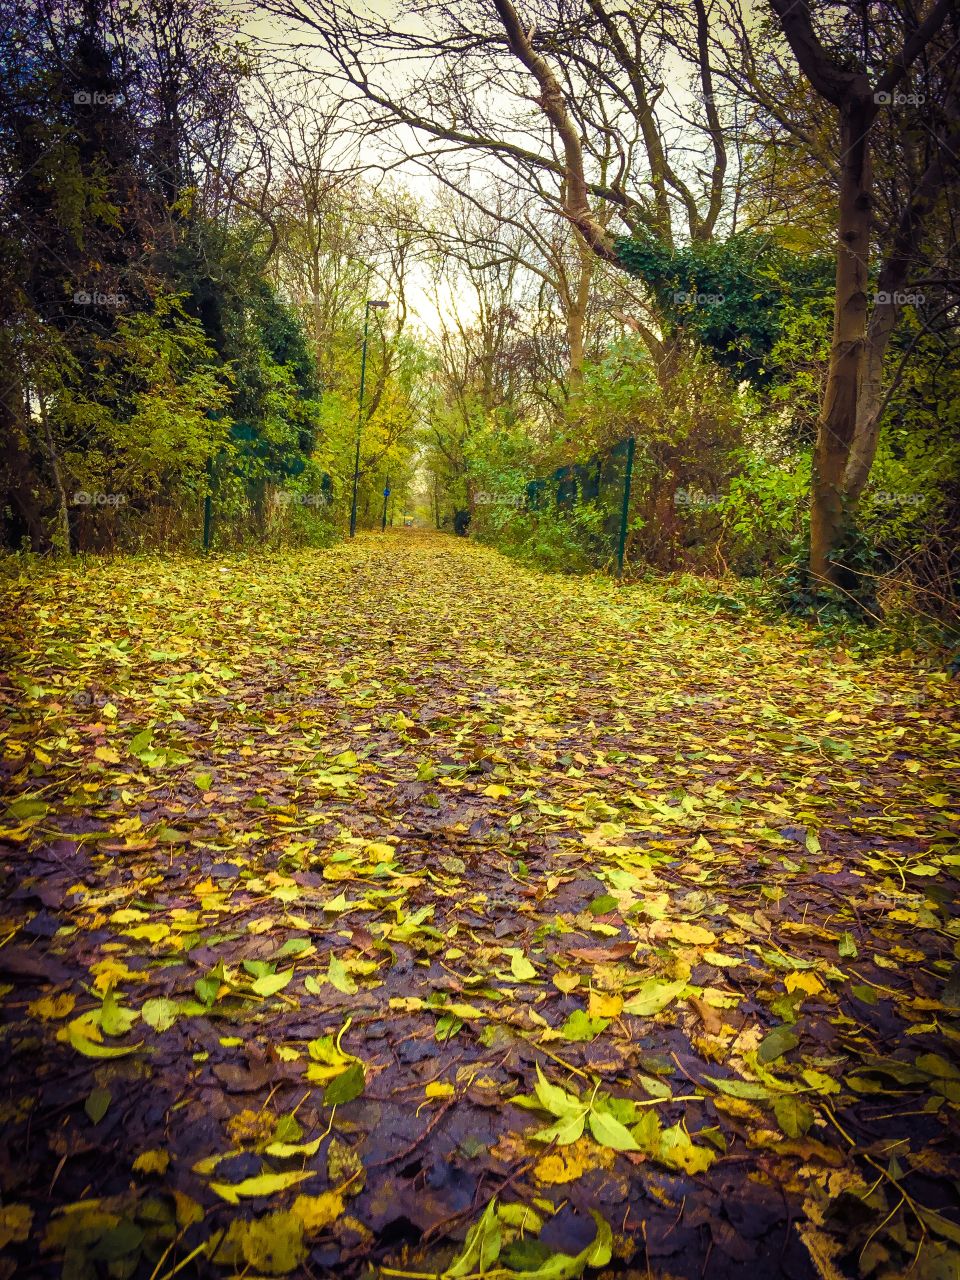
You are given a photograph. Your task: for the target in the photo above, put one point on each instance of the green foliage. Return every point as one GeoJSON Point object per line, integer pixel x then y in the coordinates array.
{"type": "Point", "coordinates": [733, 295]}
{"type": "Point", "coordinates": [553, 539]}
{"type": "Point", "coordinates": [275, 386]}
{"type": "Point", "coordinates": [141, 424]}
{"type": "Point", "coordinates": [764, 511]}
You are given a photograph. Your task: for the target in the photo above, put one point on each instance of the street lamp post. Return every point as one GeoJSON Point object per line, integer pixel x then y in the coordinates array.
{"type": "Point", "coordinates": [386, 495]}
{"type": "Point", "coordinates": [371, 306]}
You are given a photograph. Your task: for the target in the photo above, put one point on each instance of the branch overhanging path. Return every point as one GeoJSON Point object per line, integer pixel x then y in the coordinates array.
{"type": "Point", "coordinates": [362, 899]}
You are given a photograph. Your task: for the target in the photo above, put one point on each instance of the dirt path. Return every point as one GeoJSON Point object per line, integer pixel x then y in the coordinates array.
{"type": "Point", "coordinates": [355, 900]}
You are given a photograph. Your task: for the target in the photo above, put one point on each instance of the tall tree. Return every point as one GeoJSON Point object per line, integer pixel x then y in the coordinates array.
{"type": "Point", "coordinates": [609, 129]}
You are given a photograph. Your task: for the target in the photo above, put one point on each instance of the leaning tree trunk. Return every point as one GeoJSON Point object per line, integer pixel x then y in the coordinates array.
{"type": "Point", "coordinates": [838, 417]}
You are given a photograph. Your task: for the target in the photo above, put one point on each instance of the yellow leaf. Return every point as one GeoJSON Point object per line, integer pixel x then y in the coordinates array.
{"type": "Point", "coordinates": [439, 1089]}
{"type": "Point", "coordinates": [569, 1163]}
{"type": "Point", "coordinates": [15, 1220]}
{"type": "Point", "coordinates": [107, 755]}
{"type": "Point", "coordinates": [808, 982]}
{"type": "Point", "coordinates": [50, 1007]}
{"type": "Point", "coordinates": [284, 1150]}
{"type": "Point", "coordinates": [317, 1212]}
{"type": "Point", "coordinates": [380, 851]}
{"type": "Point", "coordinates": [265, 1184]}
{"type": "Point", "coordinates": [128, 915]}
{"type": "Point", "coordinates": [721, 961]}
{"type": "Point", "coordinates": [152, 1162]}
{"type": "Point", "coordinates": [566, 982]}
{"type": "Point", "coordinates": [695, 934]}
{"type": "Point", "coordinates": [604, 1005]}
{"type": "Point", "coordinates": [110, 972]}
{"type": "Point", "coordinates": [187, 1210]}
{"type": "Point", "coordinates": [85, 1038]}
{"type": "Point", "coordinates": [271, 1246]}
{"type": "Point", "coordinates": [148, 932]}
{"type": "Point", "coordinates": [495, 791]}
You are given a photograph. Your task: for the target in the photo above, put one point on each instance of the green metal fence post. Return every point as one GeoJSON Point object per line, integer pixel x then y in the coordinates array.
{"type": "Point", "coordinates": [625, 510]}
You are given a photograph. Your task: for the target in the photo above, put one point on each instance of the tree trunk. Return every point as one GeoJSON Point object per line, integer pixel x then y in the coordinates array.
{"type": "Point", "coordinates": [577, 316]}
{"type": "Point", "coordinates": [838, 417]}
{"type": "Point", "coordinates": [19, 485]}
{"type": "Point", "coordinates": [57, 479]}
{"type": "Point", "coordinates": [870, 405]}
{"type": "Point", "coordinates": [886, 311]}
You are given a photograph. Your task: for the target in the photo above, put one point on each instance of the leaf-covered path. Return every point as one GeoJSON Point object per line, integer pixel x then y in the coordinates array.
{"type": "Point", "coordinates": [358, 900]}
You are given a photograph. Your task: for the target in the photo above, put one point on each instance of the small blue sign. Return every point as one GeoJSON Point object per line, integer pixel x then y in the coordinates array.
{"type": "Point", "coordinates": [386, 493]}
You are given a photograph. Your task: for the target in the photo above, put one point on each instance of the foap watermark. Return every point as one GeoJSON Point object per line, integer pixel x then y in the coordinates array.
{"type": "Point", "coordinates": [498, 500]}
{"type": "Point", "coordinates": [287, 499]}
{"type": "Point", "coordinates": [891, 498]}
{"type": "Point", "coordinates": [96, 98]}
{"type": "Point", "coordinates": [898, 299]}
{"type": "Point", "coordinates": [94, 298]}
{"type": "Point", "coordinates": [696, 498]}
{"type": "Point", "coordinates": [685, 298]}
{"type": "Point", "coordinates": [86, 498]}
{"type": "Point", "coordinates": [884, 99]}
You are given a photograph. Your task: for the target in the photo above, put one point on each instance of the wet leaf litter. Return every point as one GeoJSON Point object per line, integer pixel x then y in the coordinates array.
{"type": "Point", "coordinates": [394, 910]}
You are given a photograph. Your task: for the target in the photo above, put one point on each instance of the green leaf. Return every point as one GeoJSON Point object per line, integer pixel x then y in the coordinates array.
{"type": "Point", "coordinates": [26, 807]}
{"type": "Point", "coordinates": [554, 1099]}
{"type": "Point", "coordinates": [611, 1133]}
{"type": "Point", "coordinates": [288, 1129]}
{"type": "Point", "coordinates": [294, 947]}
{"type": "Point", "coordinates": [98, 1100]}
{"type": "Point", "coordinates": [941, 1225]}
{"type": "Point", "coordinates": [655, 994]}
{"type": "Point", "coordinates": [565, 1266]}
{"type": "Point", "coordinates": [207, 987]}
{"type": "Point", "coordinates": [847, 947]}
{"type": "Point", "coordinates": [565, 1131]}
{"type": "Point", "coordinates": [115, 1019]}
{"type": "Point", "coordinates": [338, 977]}
{"type": "Point", "coordinates": [481, 1247]}
{"type": "Point", "coordinates": [793, 1115]}
{"type": "Point", "coordinates": [740, 1088]}
{"type": "Point", "coordinates": [520, 966]}
{"type": "Point", "coordinates": [780, 1041]}
{"type": "Point", "coordinates": [160, 1013]}
{"type": "Point", "coordinates": [580, 1027]}
{"type": "Point", "coordinates": [346, 1086]}
{"type": "Point", "coordinates": [271, 983]}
